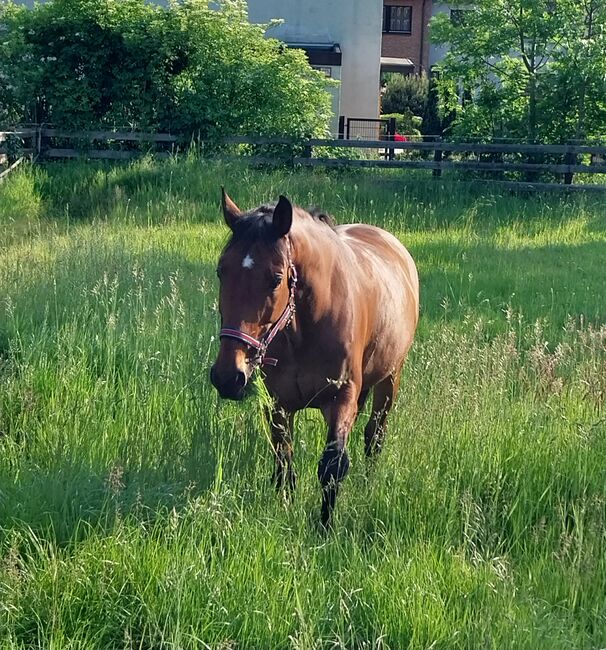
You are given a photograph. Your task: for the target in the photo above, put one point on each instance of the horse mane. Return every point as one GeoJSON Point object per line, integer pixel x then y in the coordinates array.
{"type": "Point", "coordinates": [323, 217]}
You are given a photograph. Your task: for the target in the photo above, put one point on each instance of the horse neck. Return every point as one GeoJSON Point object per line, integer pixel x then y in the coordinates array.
{"type": "Point", "coordinates": [317, 255]}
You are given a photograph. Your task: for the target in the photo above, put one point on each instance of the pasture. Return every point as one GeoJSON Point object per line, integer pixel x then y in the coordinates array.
{"type": "Point", "coordinates": [136, 509]}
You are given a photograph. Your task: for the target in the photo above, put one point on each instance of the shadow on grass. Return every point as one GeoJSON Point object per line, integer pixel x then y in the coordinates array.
{"type": "Point", "coordinates": [82, 192]}
{"type": "Point", "coordinates": [146, 192]}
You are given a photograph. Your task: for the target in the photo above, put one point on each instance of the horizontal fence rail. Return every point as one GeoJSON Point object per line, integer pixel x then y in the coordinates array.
{"type": "Point", "coordinates": [472, 147]}
{"type": "Point", "coordinates": [563, 160]}
{"type": "Point", "coordinates": [42, 143]}
{"type": "Point", "coordinates": [127, 136]}
{"type": "Point", "coordinates": [10, 168]}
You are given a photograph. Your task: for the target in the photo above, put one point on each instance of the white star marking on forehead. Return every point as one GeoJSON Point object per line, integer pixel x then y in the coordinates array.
{"type": "Point", "coordinates": [248, 262]}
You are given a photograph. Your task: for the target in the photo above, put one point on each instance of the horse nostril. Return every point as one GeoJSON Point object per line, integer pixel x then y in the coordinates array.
{"type": "Point", "coordinates": [240, 379]}
{"type": "Point", "coordinates": [230, 386]}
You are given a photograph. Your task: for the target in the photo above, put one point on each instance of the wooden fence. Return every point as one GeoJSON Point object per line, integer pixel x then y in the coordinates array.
{"type": "Point", "coordinates": [528, 161]}
{"type": "Point", "coordinates": [5, 172]}
{"type": "Point", "coordinates": [440, 156]}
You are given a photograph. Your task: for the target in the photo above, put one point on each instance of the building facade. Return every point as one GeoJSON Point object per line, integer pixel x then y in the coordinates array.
{"type": "Point", "coordinates": [438, 52]}
{"type": "Point", "coordinates": [350, 29]}
{"type": "Point", "coordinates": [405, 36]}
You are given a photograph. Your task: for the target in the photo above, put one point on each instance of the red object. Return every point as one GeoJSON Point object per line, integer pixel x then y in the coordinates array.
{"type": "Point", "coordinates": [400, 138]}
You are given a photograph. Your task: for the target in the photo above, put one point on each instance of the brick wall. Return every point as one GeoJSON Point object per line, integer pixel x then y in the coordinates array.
{"type": "Point", "coordinates": [409, 45]}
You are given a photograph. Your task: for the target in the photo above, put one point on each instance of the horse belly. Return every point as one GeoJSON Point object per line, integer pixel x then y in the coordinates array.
{"type": "Point", "coordinates": [395, 311]}
{"type": "Point", "coordinates": [387, 348]}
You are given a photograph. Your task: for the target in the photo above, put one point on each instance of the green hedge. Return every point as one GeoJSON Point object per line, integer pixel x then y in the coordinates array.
{"type": "Point", "coordinates": [406, 123]}
{"type": "Point", "coordinates": [186, 68]}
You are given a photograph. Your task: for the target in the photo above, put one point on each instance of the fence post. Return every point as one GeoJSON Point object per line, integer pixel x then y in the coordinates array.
{"type": "Point", "coordinates": [307, 150]}
{"type": "Point", "coordinates": [437, 157]}
{"type": "Point", "coordinates": [391, 132]}
{"type": "Point", "coordinates": [569, 159]}
{"type": "Point", "coordinates": [341, 127]}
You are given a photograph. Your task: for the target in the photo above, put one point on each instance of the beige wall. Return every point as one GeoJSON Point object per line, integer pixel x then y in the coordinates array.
{"type": "Point", "coordinates": [354, 24]}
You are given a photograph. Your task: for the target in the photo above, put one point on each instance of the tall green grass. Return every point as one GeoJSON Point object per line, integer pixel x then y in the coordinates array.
{"type": "Point", "coordinates": [136, 508]}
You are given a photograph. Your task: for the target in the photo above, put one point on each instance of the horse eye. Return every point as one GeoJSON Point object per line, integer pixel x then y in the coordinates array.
{"type": "Point", "coordinates": [277, 280]}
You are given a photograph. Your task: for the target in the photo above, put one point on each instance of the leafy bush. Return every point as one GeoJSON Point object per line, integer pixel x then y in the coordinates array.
{"type": "Point", "coordinates": [406, 123]}
{"type": "Point", "coordinates": [405, 94]}
{"type": "Point", "coordinates": [433, 122]}
{"type": "Point", "coordinates": [196, 66]}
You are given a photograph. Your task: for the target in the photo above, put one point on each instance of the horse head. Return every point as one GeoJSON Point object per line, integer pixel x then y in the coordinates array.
{"type": "Point", "coordinates": [256, 295]}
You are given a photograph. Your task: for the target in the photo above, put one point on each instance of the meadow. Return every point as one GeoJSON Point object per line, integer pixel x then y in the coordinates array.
{"type": "Point", "coordinates": [136, 509]}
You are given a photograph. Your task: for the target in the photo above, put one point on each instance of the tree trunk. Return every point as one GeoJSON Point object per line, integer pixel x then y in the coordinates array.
{"type": "Point", "coordinates": [579, 132]}
{"type": "Point", "coordinates": [532, 107]}
{"type": "Point", "coordinates": [531, 176]}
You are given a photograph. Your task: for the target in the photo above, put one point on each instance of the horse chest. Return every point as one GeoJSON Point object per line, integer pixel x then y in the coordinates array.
{"type": "Point", "coordinates": [302, 385]}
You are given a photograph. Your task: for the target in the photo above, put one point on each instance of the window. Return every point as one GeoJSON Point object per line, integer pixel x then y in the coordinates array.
{"type": "Point", "coordinates": [327, 70]}
{"type": "Point", "coordinates": [397, 19]}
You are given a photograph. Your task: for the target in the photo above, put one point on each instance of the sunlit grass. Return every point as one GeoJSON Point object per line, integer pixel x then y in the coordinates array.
{"type": "Point", "coordinates": [136, 508]}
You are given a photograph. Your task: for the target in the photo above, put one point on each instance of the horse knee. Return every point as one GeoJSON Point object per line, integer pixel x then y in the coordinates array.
{"type": "Point", "coordinates": [333, 466]}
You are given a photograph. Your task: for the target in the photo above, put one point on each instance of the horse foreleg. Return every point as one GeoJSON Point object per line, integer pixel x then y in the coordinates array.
{"type": "Point", "coordinates": [362, 399]}
{"type": "Point", "coordinates": [384, 396]}
{"type": "Point", "coordinates": [334, 463]}
{"type": "Point", "coordinates": [281, 424]}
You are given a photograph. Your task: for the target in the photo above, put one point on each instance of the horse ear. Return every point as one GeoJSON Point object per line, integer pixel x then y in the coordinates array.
{"type": "Point", "coordinates": [231, 212]}
{"type": "Point", "coordinates": [282, 219]}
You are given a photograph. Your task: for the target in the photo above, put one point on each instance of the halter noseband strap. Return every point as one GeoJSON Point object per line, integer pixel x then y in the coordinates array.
{"type": "Point", "coordinates": [261, 345]}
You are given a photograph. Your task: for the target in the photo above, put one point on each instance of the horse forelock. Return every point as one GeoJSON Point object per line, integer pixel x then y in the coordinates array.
{"type": "Point", "coordinates": [255, 225]}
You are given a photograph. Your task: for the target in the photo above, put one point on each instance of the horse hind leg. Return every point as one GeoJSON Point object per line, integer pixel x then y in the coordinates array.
{"type": "Point", "coordinates": [384, 395]}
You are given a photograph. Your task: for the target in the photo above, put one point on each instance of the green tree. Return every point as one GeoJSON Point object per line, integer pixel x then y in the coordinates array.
{"type": "Point", "coordinates": [511, 61]}
{"type": "Point", "coordinates": [194, 66]}
{"type": "Point", "coordinates": [405, 94]}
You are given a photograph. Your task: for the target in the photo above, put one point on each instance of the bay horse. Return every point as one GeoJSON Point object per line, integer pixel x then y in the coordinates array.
{"type": "Point", "coordinates": [330, 313]}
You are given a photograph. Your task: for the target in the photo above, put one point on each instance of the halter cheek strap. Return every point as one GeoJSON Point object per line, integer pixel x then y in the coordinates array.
{"type": "Point", "coordinates": [261, 345]}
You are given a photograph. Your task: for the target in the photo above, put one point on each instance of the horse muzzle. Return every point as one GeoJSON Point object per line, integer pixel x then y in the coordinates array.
{"type": "Point", "coordinates": [232, 385]}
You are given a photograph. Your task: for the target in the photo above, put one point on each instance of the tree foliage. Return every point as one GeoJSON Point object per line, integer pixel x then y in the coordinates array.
{"type": "Point", "coordinates": [405, 94]}
{"type": "Point", "coordinates": [415, 99]}
{"type": "Point", "coordinates": [194, 66]}
{"type": "Point", "coordinates": [406, 123]}
{"type": "Point", "coordinates": [525, 69]}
